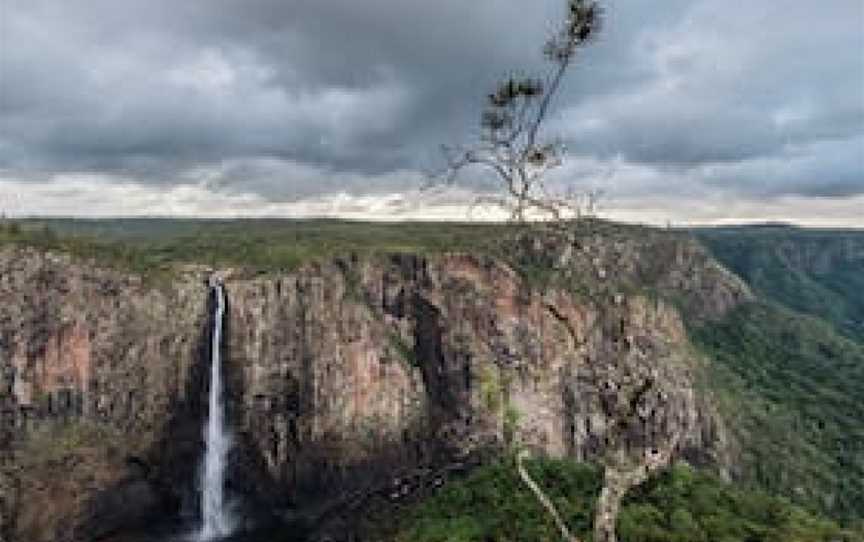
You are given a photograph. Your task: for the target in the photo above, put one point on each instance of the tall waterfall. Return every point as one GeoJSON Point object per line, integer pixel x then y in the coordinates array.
{"type": "Point", "coordinates": [216, 519]}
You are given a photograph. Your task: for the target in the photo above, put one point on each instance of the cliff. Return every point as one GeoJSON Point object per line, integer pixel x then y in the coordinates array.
{"type": "Point", "coordinates": [345, 374]}
{"type": "Point", "coordinates": [94, 364]}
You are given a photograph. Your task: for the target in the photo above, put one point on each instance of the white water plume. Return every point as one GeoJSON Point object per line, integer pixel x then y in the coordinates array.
{"type": "Point", "coordinates": [216, 519]}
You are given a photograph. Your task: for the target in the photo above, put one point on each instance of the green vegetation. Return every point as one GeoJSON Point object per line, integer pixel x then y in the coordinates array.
{"type": "Point", "coordinates": [491, 389]}
{"type": "Point", "coordinates": [492, 503]}
{"type": "Point", "coordinates": [817, 272]}
{"type": "Point", "coordinates": [123, 255]}
{"type": "Point", "coordinates": [792, 392]}
{"type": "Point", "coordinates": [681, 505]}
{"type": "Point", "coordinates": [149, 246]}
{"type": "Point", "coordinates": [265, 245]}
{"type": "Point", "coordinates": [789, 370]}
{"type": "Point", "coordinates": [403, 350]}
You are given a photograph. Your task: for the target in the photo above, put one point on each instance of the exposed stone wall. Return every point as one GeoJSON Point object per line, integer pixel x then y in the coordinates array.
{"type": "Point", "coordinates": [342, 373]}
{"type": "Point", "coordinates": [613, 259]}
{"type": "Point", "coordinates": [319, 389]}
{"type": "Point", "coordinates": [92, 362]}
{"type": "Point", "coordinates": [355, 369]}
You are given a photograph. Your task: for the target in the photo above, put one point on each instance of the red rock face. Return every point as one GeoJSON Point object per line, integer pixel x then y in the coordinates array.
{"type": "Point", "coordinates": [381, 365]}
{"type": "Point", "coordinates": [65, 363]}
{"type": "Point", "coordinates": [92, 366]}
{"type": "Point", "coordinates": [341, 374]}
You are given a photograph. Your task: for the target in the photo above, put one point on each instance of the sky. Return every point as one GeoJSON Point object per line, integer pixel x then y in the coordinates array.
{"type": "Point", "coordinates": [682, 111]}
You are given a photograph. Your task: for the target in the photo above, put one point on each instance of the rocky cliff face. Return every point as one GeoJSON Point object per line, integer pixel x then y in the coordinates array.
{"type": "Point", "coordinates": [93, 366]}
{"type": "Point", "coordinates": [344, 375]}
{"type": "Point", "coordinates": [352, 371]}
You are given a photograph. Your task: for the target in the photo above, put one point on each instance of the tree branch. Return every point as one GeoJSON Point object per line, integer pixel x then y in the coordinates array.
{"type": "Point", "coordinates": [544, 500]}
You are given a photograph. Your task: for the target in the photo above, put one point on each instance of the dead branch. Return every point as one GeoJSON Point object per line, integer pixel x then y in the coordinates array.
{"type": "Point", "coordinates": [510, 146]}
{"type": "Point", "coordinates": [544, 500]}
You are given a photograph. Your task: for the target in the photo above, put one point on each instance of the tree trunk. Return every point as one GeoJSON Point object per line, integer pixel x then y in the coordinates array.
{"type": "Point", "coordinates": [619, 477]}
{"type": "Point", "coordinates": [544, 500]}
{"type": "Point", "coordinates": [608, 505]}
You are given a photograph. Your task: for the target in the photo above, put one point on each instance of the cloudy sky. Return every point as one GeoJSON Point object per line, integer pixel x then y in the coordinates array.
{"type": "Point", "coordinates": [682, 111]}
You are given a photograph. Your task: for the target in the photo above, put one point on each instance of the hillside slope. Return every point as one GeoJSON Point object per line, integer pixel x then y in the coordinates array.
{"type": "Point", "coordinates": [816, 272]}
{"type": "Point", "coordinates": [792, 392]}
{"type": "Point", "coordinates": [790, 368]}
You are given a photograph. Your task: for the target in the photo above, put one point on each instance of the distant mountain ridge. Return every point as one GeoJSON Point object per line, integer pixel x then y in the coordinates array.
{"type": "Point", "coordinates": [813, 271]}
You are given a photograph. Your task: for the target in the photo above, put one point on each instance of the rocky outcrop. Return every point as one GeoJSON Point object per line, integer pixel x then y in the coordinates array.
{"type": "Point", "coordinates": [94, 364]}
{"type": "Point", "coordinates": [344, 375]}
{"type": "Point", "coordinates": [601, 258]}
{"type": "Point", "coordinates": [358, 369]}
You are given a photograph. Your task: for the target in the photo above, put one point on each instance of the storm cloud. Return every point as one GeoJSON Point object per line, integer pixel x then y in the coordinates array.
{"type": "Point", "coordinates": [289, 100]}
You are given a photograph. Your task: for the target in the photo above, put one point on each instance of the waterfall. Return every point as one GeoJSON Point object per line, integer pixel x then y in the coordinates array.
{"type": "Point", "coordinates": [216, 522]}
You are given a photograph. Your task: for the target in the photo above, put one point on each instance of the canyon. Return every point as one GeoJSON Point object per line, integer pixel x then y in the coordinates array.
{"type": "Point", "coordinates": [354, 375]}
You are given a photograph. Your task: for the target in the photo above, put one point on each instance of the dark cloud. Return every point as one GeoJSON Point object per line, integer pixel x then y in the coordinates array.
{"type": "Point", "coordinates": [292, 99]}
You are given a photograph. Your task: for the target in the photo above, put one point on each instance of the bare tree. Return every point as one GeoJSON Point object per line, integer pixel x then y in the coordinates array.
{"type": "Point", "coordinates": [511, 145]}
{"type": "Point", "coordinates": [513, 149]}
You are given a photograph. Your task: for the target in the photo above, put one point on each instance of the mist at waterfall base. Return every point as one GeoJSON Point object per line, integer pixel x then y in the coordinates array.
{"type": "Point", "coordinates": [218, 519]}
